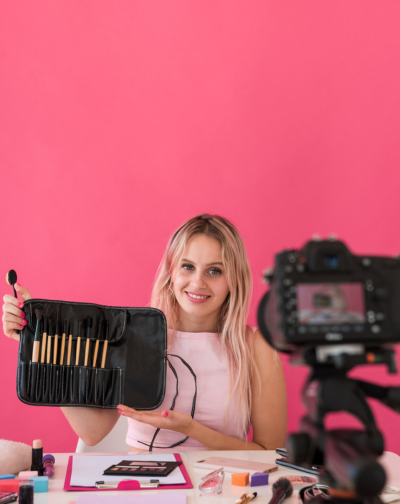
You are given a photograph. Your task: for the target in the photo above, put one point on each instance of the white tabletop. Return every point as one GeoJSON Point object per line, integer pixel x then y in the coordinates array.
{"type": "Point", "coordinates": [56, 494]}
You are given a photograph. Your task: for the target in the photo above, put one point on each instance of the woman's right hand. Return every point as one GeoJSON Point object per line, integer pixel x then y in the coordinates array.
{"type": "Point", "coordinates": [13, 316]}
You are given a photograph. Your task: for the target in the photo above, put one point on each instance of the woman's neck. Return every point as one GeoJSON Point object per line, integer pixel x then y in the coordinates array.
{"type": "Point", "coordinates": [187, 323]}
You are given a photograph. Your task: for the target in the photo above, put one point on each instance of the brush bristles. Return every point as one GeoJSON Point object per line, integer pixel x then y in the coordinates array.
{"type": "Point", "coordinates": [284, 484]}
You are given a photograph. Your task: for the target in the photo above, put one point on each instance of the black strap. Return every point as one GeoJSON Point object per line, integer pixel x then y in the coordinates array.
{"type": "Point", "coordinates": [173, 404]}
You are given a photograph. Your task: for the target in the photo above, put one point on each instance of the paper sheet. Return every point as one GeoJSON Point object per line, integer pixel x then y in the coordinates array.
{"type": "Point", "coordinates": [86, 470]}
{"type": "Point", "coordinates": [151, 498]}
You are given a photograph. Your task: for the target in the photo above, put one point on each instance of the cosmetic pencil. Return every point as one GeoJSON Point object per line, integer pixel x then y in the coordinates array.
{"type": "Point", "coordinates": [105, 346]}
{"type": "Point", "coordinates": [44, 340]}
{"type": "Point", "coordinates": [36, 341]}
{"type": "Point", "coordinates": [78, 344]}
{"type": "Point", "coordinates": [96, 347]}
{"type": "Point", "coordinates": [62, 351]}
{"type": "Point", "coordinates": [87, 345]}
{"type": "Point", "coordinates": [49, 343]}
{"type": "Point", "coordinates": [69, 343]}
{"type": "Point", "coordinates": [56, 342]}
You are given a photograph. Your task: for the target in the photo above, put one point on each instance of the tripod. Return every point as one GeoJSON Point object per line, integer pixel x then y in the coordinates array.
{"type": "Point", "coordinates": [348, 456]}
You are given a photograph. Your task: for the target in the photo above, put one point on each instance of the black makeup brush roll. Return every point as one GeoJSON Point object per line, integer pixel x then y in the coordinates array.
{"type": "Point", "coordinates": [134, 372]}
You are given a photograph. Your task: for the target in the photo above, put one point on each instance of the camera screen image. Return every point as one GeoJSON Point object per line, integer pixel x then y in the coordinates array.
{"type": "Point", "coordinates": [330, 303]}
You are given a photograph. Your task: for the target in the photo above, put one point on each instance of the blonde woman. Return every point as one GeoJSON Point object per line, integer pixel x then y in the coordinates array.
{"type": "Point", "coordinates": [204, 287]}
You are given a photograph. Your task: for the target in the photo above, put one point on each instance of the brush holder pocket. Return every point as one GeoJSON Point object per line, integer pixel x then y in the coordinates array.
{"type": "Point", "coordinates": [119, 357]}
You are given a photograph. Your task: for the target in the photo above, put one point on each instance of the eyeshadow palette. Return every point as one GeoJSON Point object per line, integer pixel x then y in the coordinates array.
{"type": "Point", "coordinates": [141, 468]}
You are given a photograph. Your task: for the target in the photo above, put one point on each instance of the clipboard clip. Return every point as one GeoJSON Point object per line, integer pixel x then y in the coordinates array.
{"type": "Point", "coordinates": [127, 484]}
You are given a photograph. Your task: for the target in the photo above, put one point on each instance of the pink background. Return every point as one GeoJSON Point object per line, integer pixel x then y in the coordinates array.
{"type": "Point", "coordinates": [120, 120]}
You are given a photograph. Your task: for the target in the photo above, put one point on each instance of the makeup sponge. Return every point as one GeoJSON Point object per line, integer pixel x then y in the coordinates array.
{"type": "Point", "coordinates": [259, 479]}
{"type": "Point", "coordinates": [14, 457]}
{"type": "Point", "coordinates": [240, 479]}
{"type": "Point", "coordinates": [41, 483]}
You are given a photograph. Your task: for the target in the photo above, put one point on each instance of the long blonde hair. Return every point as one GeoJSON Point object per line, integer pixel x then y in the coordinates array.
{"type": "Point", "coordinates": [233, 331]}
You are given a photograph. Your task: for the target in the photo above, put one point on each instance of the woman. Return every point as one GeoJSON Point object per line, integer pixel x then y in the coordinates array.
{"type": "Point", "coordinates": [203, 286]}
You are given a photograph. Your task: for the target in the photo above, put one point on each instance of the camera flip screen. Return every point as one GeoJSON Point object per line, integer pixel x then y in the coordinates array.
{"type": "Point", "coordinates": [330, 303]}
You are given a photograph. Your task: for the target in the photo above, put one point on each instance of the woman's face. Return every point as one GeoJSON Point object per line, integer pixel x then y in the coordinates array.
{"type": "Point", "coordinates": [199, 281]}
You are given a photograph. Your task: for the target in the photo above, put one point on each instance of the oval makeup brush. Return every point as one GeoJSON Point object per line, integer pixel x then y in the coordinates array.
{"type": "Point", "coordinates": [11, 279]}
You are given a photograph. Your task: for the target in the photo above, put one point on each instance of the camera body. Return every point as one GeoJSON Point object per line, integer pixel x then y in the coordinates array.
{"type": "Point", "coordinates": [325, 295]}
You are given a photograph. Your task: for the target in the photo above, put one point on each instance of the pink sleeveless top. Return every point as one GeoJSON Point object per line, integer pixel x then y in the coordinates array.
{"type": "Point", "coordinates": [205, 355]}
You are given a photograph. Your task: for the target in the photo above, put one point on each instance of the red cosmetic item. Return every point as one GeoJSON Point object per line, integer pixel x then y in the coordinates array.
{"type": "Point", "coordinates": [11, 485]}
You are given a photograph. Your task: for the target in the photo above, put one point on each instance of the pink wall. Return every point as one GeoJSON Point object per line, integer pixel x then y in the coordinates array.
{"type": "Point", "coordinates": [120, 120]}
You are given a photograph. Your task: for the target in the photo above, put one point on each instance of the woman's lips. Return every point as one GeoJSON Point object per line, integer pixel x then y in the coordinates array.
{"type": "Point", "coordinates": [202, 299]}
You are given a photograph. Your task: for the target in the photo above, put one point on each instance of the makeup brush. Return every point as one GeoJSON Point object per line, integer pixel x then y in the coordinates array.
{"type": "Point", "coordinates": [62, 351]}
{"type": "Point", "coordinates": [96, 348]}
{"type": "Point", "coordinates": [87, 345]}
{"type": "Point", "coordinates": [36, 341]}
{"type": "Point", "coordinates": [44, 340]}
{"type": "Point", "coordinates": [11, 279]}
{"type": "Point", "coordinates": [49, 343]}
{"type": "Point", "coordinates": [69, 343]}
{"type": "Point", "coordinates": [78, 344]}
{"type": "Point", "coordinates": [56, 341]}
{"type": "Point", "coordinates": [105, 346]}
{"type": "Point", "coordinates": [281, 489]}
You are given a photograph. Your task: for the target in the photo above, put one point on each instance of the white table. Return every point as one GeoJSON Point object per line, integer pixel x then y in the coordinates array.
{"type": "Point", "coordinates": [56, 494]}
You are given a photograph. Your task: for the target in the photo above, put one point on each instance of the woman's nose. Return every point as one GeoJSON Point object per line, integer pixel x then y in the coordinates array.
{"type": "Point", "coordinates": [198, 281]}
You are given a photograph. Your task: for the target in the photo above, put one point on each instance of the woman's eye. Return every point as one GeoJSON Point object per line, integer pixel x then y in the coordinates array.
{"type": "Point", "coordinates": [188, 267]}
{"type": "Point", "coordinates": [215, 272]}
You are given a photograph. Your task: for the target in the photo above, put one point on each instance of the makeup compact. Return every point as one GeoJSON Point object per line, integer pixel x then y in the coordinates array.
{"type": "Point", "coordinates": [141, 468]}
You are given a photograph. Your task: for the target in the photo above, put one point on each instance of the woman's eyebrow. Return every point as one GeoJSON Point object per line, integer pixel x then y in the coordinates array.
{"type": "Point", "coordinates": [210, 264]}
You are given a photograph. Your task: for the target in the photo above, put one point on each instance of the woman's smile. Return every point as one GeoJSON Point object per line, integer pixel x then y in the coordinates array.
{"type": "Point", "coordinates": [196, 298]}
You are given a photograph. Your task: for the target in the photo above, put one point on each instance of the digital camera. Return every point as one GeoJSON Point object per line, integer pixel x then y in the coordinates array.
{"type": "Point", "coordinates": [325, 295]}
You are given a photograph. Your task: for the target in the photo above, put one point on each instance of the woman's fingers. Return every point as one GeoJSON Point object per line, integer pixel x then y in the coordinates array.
{"type": "Point", "coordinates": [23, 292]}
{"type": "Point", "coordinates": [13, 316]}
{"type": "Point", "coordinates": [8, 299]}
{"type": "Point", "coordinates": [13, 309]}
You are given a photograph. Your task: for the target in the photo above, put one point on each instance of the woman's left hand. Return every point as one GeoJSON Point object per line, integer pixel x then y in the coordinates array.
{"type": "Point", "coordinates": [166, 419]}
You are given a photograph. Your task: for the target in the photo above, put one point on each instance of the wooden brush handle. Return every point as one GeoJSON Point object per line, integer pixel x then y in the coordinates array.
{"type": "Point", "coordinates": [103, 357]}
{"type": "Point", "coordinates": [87, 351]}
{"type": "Point", "coordinates": [44, 341]}
{"type": "Point", "coordinates": [55, 349]}
{"type": "Point", "coordinates": [48, 348]}
{"type": "Point", "coordinates": [35, 353]}
{"type": "Point", "coordinates": [78, 350]}
{"type": "Point", "coordinates": [62, 350]}
{"type": "Point", "coordinates": [96, 350]}
{"type": "Point", "coordinates": [69, 350]}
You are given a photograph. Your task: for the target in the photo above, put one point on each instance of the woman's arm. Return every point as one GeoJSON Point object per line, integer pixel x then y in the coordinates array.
{"type": "Point", "coordinates": [268, 414]}
{"type": "Point", "coordinates": [91, 424]}
{"type": "Point", "coordinates": [269, 408]}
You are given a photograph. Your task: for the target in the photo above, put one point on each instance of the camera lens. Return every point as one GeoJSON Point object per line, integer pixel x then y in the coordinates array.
{"type": "Point", "coordinates": [331, 261]}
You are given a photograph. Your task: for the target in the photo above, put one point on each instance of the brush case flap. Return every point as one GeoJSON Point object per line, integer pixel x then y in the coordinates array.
{"type": "Point", "coordinates": [134, 373]}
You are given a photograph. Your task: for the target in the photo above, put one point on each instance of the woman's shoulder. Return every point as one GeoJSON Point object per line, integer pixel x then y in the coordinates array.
{"type": "Point", "coordinates": [253, 333]}
{"type": "Point", "coordinates": [258, 342]}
